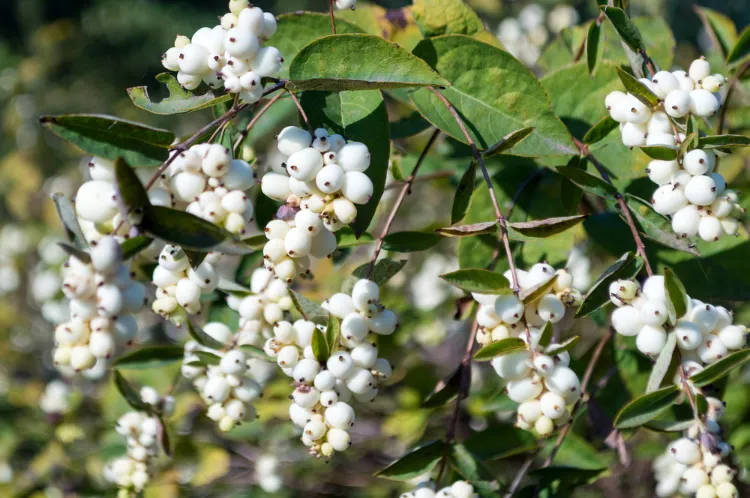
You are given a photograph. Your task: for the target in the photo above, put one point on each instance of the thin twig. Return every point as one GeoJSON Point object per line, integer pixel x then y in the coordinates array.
{"type": "Point", "coordinates": [256, 117]}
{"type": "Point", "coordinates": [438, 175]}
{"type": "Point", "coordinates": [730, 91]}
{"type": "Point", "coordinates": [640, 246]}
{"type": "Point", "coordinates": [519, 475]}
{"type": "Point", "coordinates": [405, 190]}
{"type": "Point", "coordinates": [333, 19]}
{"type": "Point", "coordinates": [584, 386]}
{"type": "Point", "coordinates": [480, 159]}
{"type": "Point", "coordinates": [301, 111]}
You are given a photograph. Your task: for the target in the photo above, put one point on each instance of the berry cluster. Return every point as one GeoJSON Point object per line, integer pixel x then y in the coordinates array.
{"type": "Point", "coordinates": [227, 388]}
{"type": "Point", "coordinates": [267, 471]}
{"type": "Point", "coordinates": [229, 54]}
{"type": "Point", "coordinates": [692, 465]}
{"type": "Point", "coordinates": [179, 286]}
{"type": "Point", "coordinates": [459, 489]}
{"type": "Point", "coordinates": [324, 181]}
{"type": "Point", "coordinates": [320, 399]}
{"type": "Point", "coordinates": [103, 300]}
{"type": "Point", "coordinates": [525, 36]}
{"type": "Point", "coordinates": [131, 473]}
{"type": "Point", "coordinates": [538, 378]}
{"type": "Point", "coordinates": [205, 181]}
{"type": "Point", "coordinates": [705, 334]}
{"type": "Point", "coordinates": [56, 399]}
{"type": "Point", "coordinates": [260, 311]}
{"type": "Point", "coordinates": [14, 242]}
{"type": "Point", "coordinates": [696, 92]}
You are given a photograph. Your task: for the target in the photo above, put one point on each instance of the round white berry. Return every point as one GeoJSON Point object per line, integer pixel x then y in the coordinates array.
{"type": "Point", "coordinates": [293, 139]}
{"type": "Point", "coordinates": [699, 69]}
{"type": "Point", "coordinates": [688, 335]}
{"type": "Point", "coordinates": [710, 229]}
{"type": "Point", "coordinates": [677, 103]}
{"type": "Point", "coordinates": [651, 340]}
{"type": "Point", "coordinates": [524, 389]}
{"type": "Point", "coordinates": [664, 83]}
{"type": "Point", "coordinates": [340, 364]}
{"type": "Point", "coordinates": [564, 381]}
{"type": "Point", "coordinates": [339, 416]}
{"type": "Point", "coordinates": [275, 186]}
{"type": "Point", "coordinates": [703, 103]}
{"type": "Point", "coordinates": [357, 187]}
{"type": "Point", "coordinates": [686, 221]}
{"type": "Point", "coordinates": [513, 366]}
{"type": "Point", "coordinates": [267, 62]}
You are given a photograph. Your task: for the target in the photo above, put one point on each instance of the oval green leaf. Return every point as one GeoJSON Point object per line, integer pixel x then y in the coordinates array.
{"type": "Point", "coordinates": [202, 338]}
{"type": "Point", "coordinates": [358, 62]}
{"type": "Point", "coordinates": [500, 348]}
{"type": "Point", "coordinates": [182, 229]}
{"type": "Point", "coordinates": [661, 152]}
{"type": "Point", "coordinates": [534, 294]}
{"type": "Point", "coordinates": [508, 142]}
{"type": "Point", "coordinates": [67, 214]}
{"type": "Point", "coordinates": [716, 371]}
{"type": "Point", "coordinates": [410, 241]}
{"type": "Point", "coordinates": [179, 100]}
{"type": "Point", "coordinates": [130, 395]}
{"type": "Point", "coordinates": [152, 357]}
{"type": "Point", "coordinates": [414, 464]}
{"type": "Point", "coordinates": [662, 364]}
{"type": "Point", "coordinates": [587, 182]}
{"type": "Point", "coordinates": [638, 89]}
{"type": "Point", "coordinates": [481, 228]}
{"type": "Point", "coordinates": [624, 268]}
{"type": "Point", "coordinates": [600, 130]}
{"type": "Point", "coordinates": [320, 346]}
{"type": "Point", "coordinates": [478, 280]}
{"type": "Point", "coordinates": [463, 194]}
{"type": "Point", "coordinates": [646, 408]}
{"type": "Point", "coordinates": [308, 309]}
{"type": "Point", "coordinates": [110, 137]}
{"type": "Point", "coordinates": [135, 245]}
{"type": "Point", "coordinates": [625, 28]}
{"type": "Point", "coordinates": [382, 272]}
{"type": "Point", "coordinates": [567, 345]}
{"type": "Point", "coordinates": [547, 227]}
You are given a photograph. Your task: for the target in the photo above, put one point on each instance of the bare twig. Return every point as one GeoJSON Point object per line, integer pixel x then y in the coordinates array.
{"type": "Point", "coordinates": [730, 91]}
{"type": "Point", "coordinates": [519, 475]}
{"type": "Point", "coordinates": [640, 246]}
{"type": "Point", "coordinates": [480, 159]}
{"type": "Point", "coordinates": [301, 111]}
{"type": "Point", "coordinates": [256, 117]}
{"type": "Point", "coordinates": [438, 175]}
{"type": "Point", "coordinates": [405, 190]}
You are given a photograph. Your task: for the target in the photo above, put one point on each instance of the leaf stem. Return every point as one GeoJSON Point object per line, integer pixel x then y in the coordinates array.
{"type": "Point", "coordinates": [333, 19]}
{"type": "Point", "coordinates": [640, 246]}
{"type": "Point", "coordinates": [480, 159]}
{"type": "Point", "coordinates": [405, 190]}
{"type": "Point", "coordinates": [256, 117]}
{"type": "Point", "coordinates": [730, 91]}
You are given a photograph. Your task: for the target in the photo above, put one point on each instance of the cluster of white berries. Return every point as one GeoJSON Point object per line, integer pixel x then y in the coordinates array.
{"type": "Point", "coordinates": [260, 311]}
{"type": "Point", "coordinates": [695, 196]}
{"type": "Point", "coordinates": [267, 472]}
{"type": "Point", "coordinates": [324, 179]}
{"type": "Point", "coordinates": [56, 399]}
{"type": "Point", "coordinates": [353, 370]}
{"type": "Point", "coordinates": [229, 54]}
{"type": "Point", "coordinates": [46, 282]}
{"type": "Point", "coordinates": [14, 242]}
{"type": "Point", "coordinates": [459, 489]}
{"type": "Point", "coordinates": [680, 93]}
{"type": "Point", "coordinates": [692, 465]}
{"type": "Point", "coordinates": [103, 299]}
{"type": "Point", "coordinates": [524, 37]}
{"type": "Point", "coordinates": [179, 286]}
{"type": "Point", "coordinates": [205, 181]}
{"type": "Point", "coordinates": [228, 387]}
{"type": "Point", "coordinates": [538, 378]}
{"type": "Point", "coordinates": [705, 334]}
{"type": "Point", "coordinates": [131, 473]}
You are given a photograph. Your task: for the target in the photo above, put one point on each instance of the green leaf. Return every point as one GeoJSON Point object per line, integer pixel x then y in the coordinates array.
{"type": "Point", "coordinates": [719, 27]}
{"type": "Point", "coordinates": [130, 395]}
{"type": "Point", "coordinates": [484, 227]}
{"type": "Point", "coordinates": [255, 351]}
{"type": "Point", "coordinates": [638, 89]}
{"type": "Point", "coordinates": [205, 359]}
{"type": "Point", "coordinates": [75, 252]}
{"type": "Point", "coordinates": [724, 141]}
{"type": "Point", "coordinates": [741, 49]}
{"type": "Point", "coordinates": [179, 100]}
{"type": "Point", "coordinates": [679, 301]}
{"type": "Point", "coordinates": [202, 338]}
{"type": "Point", "coordinates": [446, 17]}
{"type": "Point", "coordinates": [661, 152]}
{"type": "Point", "coordinates": [662, 364]}
{"type": "Point", "coordinates": [164, 437]}
{"type": "Point", "coordinates": [229, 286]}
{"type": "Point", "coordinates": [196, 258]}
{"type": "Point", "coordinates": [256, 242]}
{"type": "Point", "coordinates": [508, 142]}
{"type": "Point", "coordinates": [408, 126]}
{"type": "Point", "coordinates": [358, 62]}
{"type": "Point", "coordinates": [150, 357]}
{"type": "Point", "coordinates": [333, 331]}
{"type": "Point", "coordinates": [625, 28]}
{"type": "Point", "coordinates": [500, 348]}
{"type": "Point", "coordinates": [444, 392]}
{"type": "Point", "coordinates": [587, 182]}
{"type": "Point", "coordinates": [182, 228]}
{"type": "Point", "coordinates": [645, 408]}
{"type": "Point", "coordinates": [382, 272]}
{"type": "Point", "coordinates": [472, 470]}
{"type": "Point", "coordinates": [534, 294]}
{"type": "Point", "coordinates": [548, 227]}
{"type": "Point", "coordinates": [410, 241]}
{"type": "Point", "coordinates": [308, 309]}
{"type": "Point", "coordinates": [669, 425]}
{"type": "Point", "coordinates": [134, 245]}
{"type": "Point", "coordinates": [655, 226]}
{"type": "Point", "coordinates": [570, 193]}
{"type": "Point", "coordinates": [625, 268]}
{"type": "Point", "coordinates": [130, 190]}
{"type": "Point", "coordinates": [547, 334]}
{"type": "Point", "coordinates": [67, 214]}
{"type": "Point", "coordinates": [478, 280]}
{"type": "Point", "coordinates": [297, 29]}
{"type": "Point", "coordinates": [414, 464]}
{"type": "Point", "coordinates": [362, 117]}
{"type": "Point", "coordinates": [346, 238]}
{"type": "Point", "coordinates": [110, 137]}
{"type": "Point", "coordinates": [500, 441]}
{"type": "Point", "coordinates": [594, 45]}
{"type": "Point", "coordinates": [717, 370]}
{"type": "Point", "coordinates": [567, 345]}
{"type": "Point", "coordinates": [493, 93]}
{"type": "Point", "coordinates": [463, 194]}
{"type": "Point", "coordinates": [600, 130]}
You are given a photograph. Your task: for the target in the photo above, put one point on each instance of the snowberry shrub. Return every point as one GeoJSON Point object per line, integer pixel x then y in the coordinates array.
{"type": "Point", "coordinates": [244, 237]}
